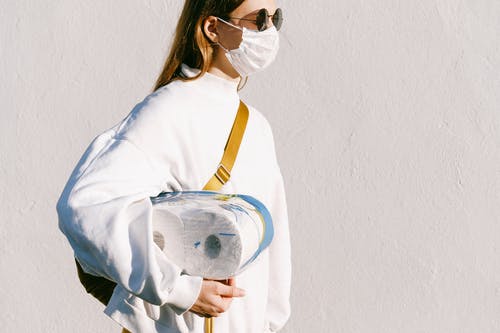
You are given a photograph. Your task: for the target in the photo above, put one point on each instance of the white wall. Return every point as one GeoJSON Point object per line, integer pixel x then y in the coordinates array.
{"type": "Point", "coordinates": [387, 125]}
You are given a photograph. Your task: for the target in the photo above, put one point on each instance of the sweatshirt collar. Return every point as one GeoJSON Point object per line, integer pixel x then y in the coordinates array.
{"type": "Point", "coordinates": [210, 79]}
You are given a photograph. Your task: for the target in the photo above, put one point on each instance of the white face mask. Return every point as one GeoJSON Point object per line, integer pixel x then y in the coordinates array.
{"type": "Point", "coordinates": [257, 50]}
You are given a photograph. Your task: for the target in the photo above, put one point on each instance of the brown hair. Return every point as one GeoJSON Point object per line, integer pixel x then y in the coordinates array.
{"type": "Point", "coordinates": [190, 45]}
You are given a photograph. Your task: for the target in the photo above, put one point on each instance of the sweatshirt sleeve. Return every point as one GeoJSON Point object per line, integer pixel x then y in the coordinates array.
{"type": "Point", "coordinates": [106, 213]}
{"type": "Point", "coordinates": [278, 304]}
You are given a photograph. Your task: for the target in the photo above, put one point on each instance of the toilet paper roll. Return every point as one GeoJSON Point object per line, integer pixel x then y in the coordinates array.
{"type": "Point", "coordinates": [211, 234]}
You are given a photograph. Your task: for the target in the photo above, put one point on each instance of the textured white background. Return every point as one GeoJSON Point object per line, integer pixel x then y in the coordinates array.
{"type": "Point", "coordinates": [387, 127]}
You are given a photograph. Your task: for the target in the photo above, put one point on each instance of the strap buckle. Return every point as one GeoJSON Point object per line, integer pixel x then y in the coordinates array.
{"type": "Point", "coordinates": [222, 173]}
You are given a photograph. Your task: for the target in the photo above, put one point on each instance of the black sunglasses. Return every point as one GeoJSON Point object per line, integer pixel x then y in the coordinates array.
{"type": "Point", "coordinates": [262, 19]}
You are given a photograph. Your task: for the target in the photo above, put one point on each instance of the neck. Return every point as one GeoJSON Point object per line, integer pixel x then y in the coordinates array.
{"type": "Point", "coordinates": [220, 66]}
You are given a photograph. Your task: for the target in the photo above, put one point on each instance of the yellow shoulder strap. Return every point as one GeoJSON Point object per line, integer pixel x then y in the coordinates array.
{"type": "Point", "coordinates": [223, 172]}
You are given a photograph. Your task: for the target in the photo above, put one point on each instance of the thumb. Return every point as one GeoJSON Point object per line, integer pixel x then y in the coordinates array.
{"type": "Point", "coordinates": [231, 291]}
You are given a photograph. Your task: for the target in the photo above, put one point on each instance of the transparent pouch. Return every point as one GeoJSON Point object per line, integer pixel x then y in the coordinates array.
{"type": "Point", "coordinates": [211, 234]}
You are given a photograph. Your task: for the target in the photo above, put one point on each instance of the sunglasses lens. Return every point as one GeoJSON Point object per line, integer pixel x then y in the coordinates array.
{"type": "Point", "coordinates": [261, 19]}
{"type": "Point", "coordinates": [278, 18]}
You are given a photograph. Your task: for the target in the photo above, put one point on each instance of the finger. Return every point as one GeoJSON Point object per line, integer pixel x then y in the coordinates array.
{"type": "Point", "coordinates": [226, 281]}
{"type": "Point", "coordinates": [230, 282]}
{"type": "Point", "coordinates": [230, 291]}
{"type": "Point", "coordinates": [222, 281]}
{"type": "Point", "coordinates": [225, 303]}
{"type": "Point", "coordinates": [201, 314]}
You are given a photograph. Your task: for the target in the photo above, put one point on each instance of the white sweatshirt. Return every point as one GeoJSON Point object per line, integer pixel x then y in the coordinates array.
{"type": "Point", "coordinates": [173, 141]}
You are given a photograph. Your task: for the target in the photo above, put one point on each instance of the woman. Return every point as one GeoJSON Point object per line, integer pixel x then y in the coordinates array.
{"type": "Point", "coordinates": [172, 141]}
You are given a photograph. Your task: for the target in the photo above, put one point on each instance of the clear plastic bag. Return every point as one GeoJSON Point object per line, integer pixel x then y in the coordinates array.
{"type": "Point", "coordinates": [210, 234]}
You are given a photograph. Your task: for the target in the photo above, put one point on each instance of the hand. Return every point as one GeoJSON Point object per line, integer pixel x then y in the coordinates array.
{"type": "Point", "coordinates": [215, 297]}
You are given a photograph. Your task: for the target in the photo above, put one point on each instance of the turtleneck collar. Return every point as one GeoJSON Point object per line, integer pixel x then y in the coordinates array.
{"type": "Point", "coordinates": [211, 80]}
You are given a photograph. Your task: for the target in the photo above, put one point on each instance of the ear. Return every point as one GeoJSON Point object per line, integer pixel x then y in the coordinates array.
{"type": "Point", "coordinates": [209, 27]}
